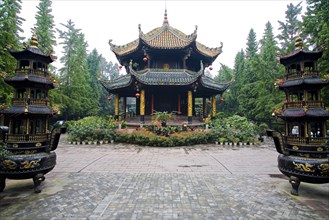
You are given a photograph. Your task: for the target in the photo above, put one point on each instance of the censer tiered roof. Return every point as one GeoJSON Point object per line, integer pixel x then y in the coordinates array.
{"type": "Point", "coordinates": [166, 37]}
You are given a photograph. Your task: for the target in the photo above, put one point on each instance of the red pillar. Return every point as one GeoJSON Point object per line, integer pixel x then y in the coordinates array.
{"type": "Point", "coordinates": [152, 104]}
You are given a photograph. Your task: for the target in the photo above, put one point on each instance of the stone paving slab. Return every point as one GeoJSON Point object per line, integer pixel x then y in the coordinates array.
{"type": "Point", "coordinates": [118, 181]}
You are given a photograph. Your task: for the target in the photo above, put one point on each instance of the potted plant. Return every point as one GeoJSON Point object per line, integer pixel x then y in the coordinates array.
{"type": "Point", "coordinates": [162, 117]}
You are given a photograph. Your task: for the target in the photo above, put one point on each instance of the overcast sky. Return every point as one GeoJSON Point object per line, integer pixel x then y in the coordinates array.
{"type": "Point", "coordinates": [218, 21]}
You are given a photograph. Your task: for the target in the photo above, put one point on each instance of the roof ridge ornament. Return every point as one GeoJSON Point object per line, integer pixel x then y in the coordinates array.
{"type": "Point", "coordinates": [165, 19]}
{"type": "Point", "coordinates": [34, 38]}
{"type": "Point", "coordinates": [298, 42]}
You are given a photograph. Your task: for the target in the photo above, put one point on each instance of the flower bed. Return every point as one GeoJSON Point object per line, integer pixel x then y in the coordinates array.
{"type": "Point", "coordinates": [92, 129]}
{"type": "Point", "coordinates": [148, 138]}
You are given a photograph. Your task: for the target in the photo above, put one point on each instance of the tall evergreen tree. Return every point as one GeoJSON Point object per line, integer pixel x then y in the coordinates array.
{"type": "Point", "coordinates": [289, 28]}
{"type": "Point", "coordinates": [316, 25]}
{"type": "Point", "coordinates": [268, 70]}
{"type": "Point", "coordinates": [45, 27]}
{"type": "Point", "coordinates": [10, 29]}
{"type": "Point", "coordinates": [77, 97]}
{"type": "Point", "coordinates": [252, 45]}
{"type": "Point", "coordinates": [230, 96]}
{"type": "Point", "coordinates": [94, 66]}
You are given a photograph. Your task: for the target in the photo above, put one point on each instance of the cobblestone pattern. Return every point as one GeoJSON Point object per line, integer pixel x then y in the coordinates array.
{"type": "Point", "coordinates": [130, 182]}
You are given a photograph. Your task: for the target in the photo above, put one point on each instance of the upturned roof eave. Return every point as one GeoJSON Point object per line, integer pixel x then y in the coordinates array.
{"type": "Point", "coordinates": [32, 51]}
{"type": "Point", "coordinates": [285, 59]}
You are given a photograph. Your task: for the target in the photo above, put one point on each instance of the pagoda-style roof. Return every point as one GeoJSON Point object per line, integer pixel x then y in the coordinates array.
{"type": "Point", "coordinates": [165, 37]}
{"type": "Point", "coordinates": [304, 81]}
{"type": "Point", "coordinates": [161, 77]}
{"type": "Point", "coordinates": [30, 109]}
{"type": "Point", "coordinates": [166, 77]}
{"type": "Point", "coordinates": [300, 112]}
{"type": "Point", "coordinates": [33, 52]}
{"type": "Point", "coordinates": [299, 55]}
{"type": "Point", "coordinates": [21, 78]}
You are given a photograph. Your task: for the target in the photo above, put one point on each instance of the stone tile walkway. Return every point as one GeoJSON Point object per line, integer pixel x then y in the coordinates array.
{"type": "Point", "coordinates": [117, 181]}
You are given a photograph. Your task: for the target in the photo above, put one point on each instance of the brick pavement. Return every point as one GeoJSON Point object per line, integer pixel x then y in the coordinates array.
{"type": "Point", "coordinates": [117, 181]}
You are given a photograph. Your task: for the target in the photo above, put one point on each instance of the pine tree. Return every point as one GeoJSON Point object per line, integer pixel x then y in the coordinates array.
{"type": "Point", "coordinates": [316, 25]}
{"type": "Point", "coordinates": [10, 29]}
{"type": "Point", "coordinates": [289, 28]}
{"type": "Point", "coordinates": [45, 27]}
{"type": "Point", "coordinates": [268, 70]}
{"type": "Point", "coordinates": [77, 96]}
{"type": "Point", "coordinates": [252, 45]}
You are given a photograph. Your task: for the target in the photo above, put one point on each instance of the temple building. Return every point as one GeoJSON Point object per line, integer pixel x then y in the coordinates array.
{"type": "Point", "coordinates": [165, 72]}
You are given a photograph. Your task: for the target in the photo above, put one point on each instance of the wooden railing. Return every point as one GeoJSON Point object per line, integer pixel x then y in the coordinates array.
{"type": "Point", "coordinates": [316, 141]}
{"type": "Point", "coordinates": [39, 102]}
{"type": "Point", "coordinates": [301, 104]}
{"type": "Point", "coordinates": [299, 74]}
{"type": "Point", "coordinates": [27, 138]}
{"type": "Point", "coordinates": [32, 72]}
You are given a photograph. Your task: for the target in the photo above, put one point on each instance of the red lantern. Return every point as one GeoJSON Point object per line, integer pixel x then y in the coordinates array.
{"type": "Point", "coordinates": [145, 59]}
{"type": "Point", "coordinates": [109, 99]}
{"type": "Point", "coordinates": [221, 100]}
{"type": "Point", "coordinates": [137, 95]}
{"type": "Point", "coordinates": [210, 68]}
{"type": "Point", "coordinates": [209, 103]}
{"type": "Point", "coordinates": [120, 67]}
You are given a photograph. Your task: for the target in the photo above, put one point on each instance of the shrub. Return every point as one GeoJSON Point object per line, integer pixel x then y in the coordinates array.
{"type": "Point", "coordinates": [93, 128]}
{"type": "Point", "coordinates": [234, 129]}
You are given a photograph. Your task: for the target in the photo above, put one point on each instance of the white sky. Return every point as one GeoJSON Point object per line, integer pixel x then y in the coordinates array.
{"type": "Point", "coordinates": [218, 21]}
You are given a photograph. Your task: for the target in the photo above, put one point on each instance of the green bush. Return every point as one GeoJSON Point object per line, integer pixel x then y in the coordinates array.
{"type": "Point", "coordinates": [93, 128]}
{"type": "Point", "coordinates": [148, 138]}
{"type": "Point", "coordinates": [234, 129]}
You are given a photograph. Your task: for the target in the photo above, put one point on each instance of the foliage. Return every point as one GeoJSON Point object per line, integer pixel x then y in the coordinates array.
{"type": "Point", "coordinates": [74, 75]}
{"type": "Point", "coordinates": [162, 116]}
{"type": "Point", "coordinates": [10, 26]}
{"type": "Point", "coordinates": [316, 26]}
{"type": "Point", "coordinates": [289, 28]}
{"type": "Point", "coordinates": [233, 129]}
{"type": "Point", "coordinates": [94, 128]}
{"type": "Point", "coordinates": [45, 27]}
{"type": "Point", "coordinates": [148, 138]}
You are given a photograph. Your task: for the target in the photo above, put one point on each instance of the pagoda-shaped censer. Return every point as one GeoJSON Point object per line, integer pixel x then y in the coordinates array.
{"type": "Point", "coordinates": [30, 143]}
{"type": "Point", "coordinates": [303, 148]}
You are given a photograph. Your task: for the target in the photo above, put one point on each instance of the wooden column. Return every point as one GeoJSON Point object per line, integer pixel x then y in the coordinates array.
{"type": "Point", "coordinates": [305, 130]}
{"type": "Point", "coordinates": [204, 107]}
{"type": "Point", "coordinates": [124, 107]}
{"type": "Point", "coordinates": [324, 129]}
{"type": "Point", "coordinates": [152, 104]}
{"type": "Point", "coordinates": [287, 128]}
{"type": "Point", "coordinates": [116, 107]}
{"type": "Point", "coordinates": [27, 131]}
{"type": "Point", "coordinates": [213, 103]}
{"type": "Point", "coordinates": [178, 105]}
{"type": "Point", "coordinates": [142, 106]}
{"type": "Point", "coordinates": [189, 106]}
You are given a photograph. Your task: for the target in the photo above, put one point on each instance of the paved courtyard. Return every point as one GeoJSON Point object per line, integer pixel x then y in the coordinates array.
{"type": "Point", "coordinates": [117, 181]}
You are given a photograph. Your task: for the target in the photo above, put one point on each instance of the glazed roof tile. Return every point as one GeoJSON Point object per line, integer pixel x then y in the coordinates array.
{"type": "Point", "coordinates": [300, 54]}
{"type": "Point", "coordinates": [120, 82]}
{"type": "Point", "coordinates": [212, 84]}
{"type": "Point", "coordinates": [30, 78]}
{"type": "Point", "coordinates": [316, 112]}
{"type": "Point", "coordinates": [20, 109]}
{"type": "Point", "coordinates": [306, 81]}
{"type": "Point", "coordinates": [165, 37]}
{"type": "Point", "coordinates": [168, 77]}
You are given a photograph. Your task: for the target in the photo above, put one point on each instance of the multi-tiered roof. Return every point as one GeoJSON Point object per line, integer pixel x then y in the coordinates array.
{"type": "Point", "coordinates": [143, 59]}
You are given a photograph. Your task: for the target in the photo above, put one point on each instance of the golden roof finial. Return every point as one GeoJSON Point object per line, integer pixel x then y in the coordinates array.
{"type": "Point", "coordinates": [34, 38]}
{"type": "Point", "coordinates": [298, 42]}
{"type": "Point", "coordinates": [165, 20]}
